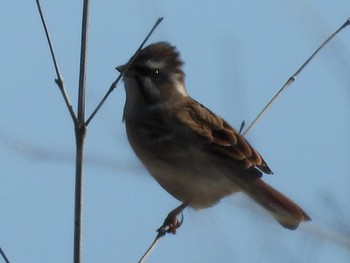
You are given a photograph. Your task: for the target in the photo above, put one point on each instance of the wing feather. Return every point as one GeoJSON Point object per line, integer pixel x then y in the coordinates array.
{"type": "Point", "coordinates": [221, 138]}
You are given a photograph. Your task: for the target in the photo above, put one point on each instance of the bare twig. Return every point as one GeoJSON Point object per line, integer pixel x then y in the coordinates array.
{"type": "Point", "coordinates": [166, 228]}
{"type": "Point", "coordinates": [4, 256]}
{"type": "Point", "coordinates": [59, 80]}
{"type": "Point", "coordinates": [293, 77]}
{"type": "Point", "coordinates": [114, 84]}
{"type": "Point", "coordinates": [79, 121]}
{"type": "Point", "coordinates": [80, 132]}
{"type": "Point", "coordinates": [80, 139]}
{"type": "Point", "coordinates": [153, 245]}
{"type": "Point", "coordinates": [80, 128]}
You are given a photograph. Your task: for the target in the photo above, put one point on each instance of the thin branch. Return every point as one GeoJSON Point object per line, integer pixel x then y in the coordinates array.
{"type": "Point", "coordinates": [78, 203]}
{"type": "Point", "coordinates": [114, 84]}
{"type": "Point", "coordinates": [83, 62]}
{"type": "Point", "coordinates": [59, 80]}
{"type": "Point", "coordinates": [293, 77]}
{"type": "Point", "coordinates": [4, 256]}
{"type": "Point", "coordinates": [153, 245]}
{"type": "Point", "coordinates": [166, 228]}
{"type": "Point", "coordinates": [80, 132]}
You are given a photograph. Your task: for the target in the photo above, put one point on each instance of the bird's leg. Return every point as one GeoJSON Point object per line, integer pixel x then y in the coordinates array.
{"type": "Point", "coordinates": [171, 223]}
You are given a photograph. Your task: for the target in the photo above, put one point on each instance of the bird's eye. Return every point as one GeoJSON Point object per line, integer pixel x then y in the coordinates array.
{"type": "Point", "coordinates": [147, 72]}
{"type": "Point", "coordinates": [154, 74]}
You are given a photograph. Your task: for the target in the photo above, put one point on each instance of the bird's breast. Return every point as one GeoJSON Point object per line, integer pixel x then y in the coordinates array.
{"type": "Point", "coordinates": [181, 167]}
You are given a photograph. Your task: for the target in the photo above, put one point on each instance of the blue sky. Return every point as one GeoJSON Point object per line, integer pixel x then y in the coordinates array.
{"type": "Point", "coordinates": [237, 55]}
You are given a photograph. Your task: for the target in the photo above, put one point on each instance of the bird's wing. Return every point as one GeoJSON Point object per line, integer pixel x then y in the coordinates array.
{"type": "Point", "coordinates": [219, 137]}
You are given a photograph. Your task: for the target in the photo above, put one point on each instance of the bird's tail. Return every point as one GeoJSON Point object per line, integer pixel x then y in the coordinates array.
{"type": "Point", "coordinates": [284, 210]}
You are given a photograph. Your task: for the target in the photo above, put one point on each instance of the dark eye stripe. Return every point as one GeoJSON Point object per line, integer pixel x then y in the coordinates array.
{"type": "Point", "coordinates": [147, 72]}
{"type": "Point", "coordinates": [143, 90]}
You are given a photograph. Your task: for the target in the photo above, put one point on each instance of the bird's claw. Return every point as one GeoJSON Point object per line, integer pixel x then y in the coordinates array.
{"type": "Point", "coordinates": [170, 225]}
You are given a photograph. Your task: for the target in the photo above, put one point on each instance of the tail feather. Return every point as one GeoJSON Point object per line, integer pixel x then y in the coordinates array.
{"type": "Point", "coordinates": [284, 210]}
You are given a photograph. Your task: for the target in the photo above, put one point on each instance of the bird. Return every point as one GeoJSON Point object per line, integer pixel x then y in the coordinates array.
{"type": "Point", "coordinates": [194, 154]}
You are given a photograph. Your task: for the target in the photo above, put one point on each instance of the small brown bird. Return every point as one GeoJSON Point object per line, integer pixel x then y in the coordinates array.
{"type": "Point", "coordinates": [193, 153]}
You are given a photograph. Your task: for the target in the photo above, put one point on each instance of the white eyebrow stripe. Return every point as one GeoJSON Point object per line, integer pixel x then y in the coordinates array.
{"type": "Point", "coordinates": [154, 64]}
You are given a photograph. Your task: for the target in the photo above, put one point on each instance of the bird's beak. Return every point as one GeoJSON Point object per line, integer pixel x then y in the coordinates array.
{"type": "Point", "coordinates": [121, 68]}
